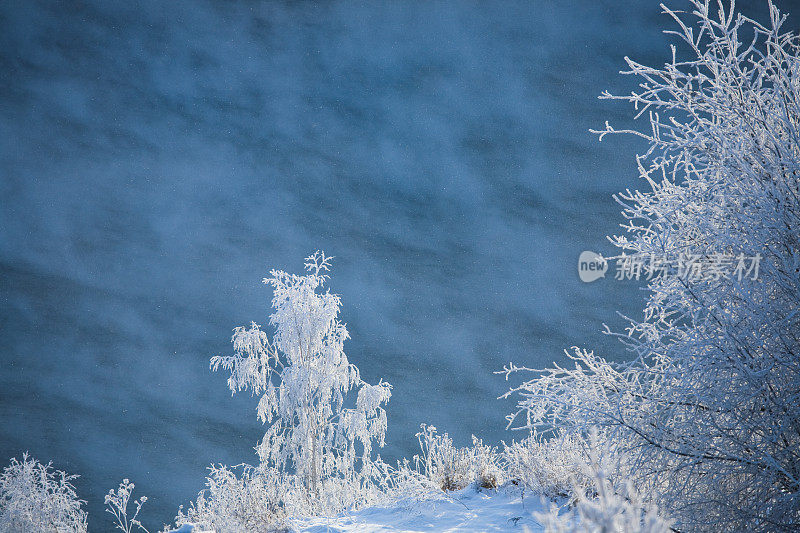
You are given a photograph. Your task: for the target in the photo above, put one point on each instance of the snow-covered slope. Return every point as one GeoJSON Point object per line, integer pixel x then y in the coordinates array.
{"type": "Point", "coordinates": [470, 509]}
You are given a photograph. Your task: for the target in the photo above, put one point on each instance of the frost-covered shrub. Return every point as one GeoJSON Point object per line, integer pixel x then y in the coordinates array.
{"type": "Point", "coordinates": [707, 409]}
{"type": "Point", "coordinates": [604, 501]}
{"type": "Point", "coordinates": [489, 470]}
{"type": "Point", "coordinates": [449, 467]}
{"type": "Point", "coordinates": [252, 501]}
{"type": "Point", "coordinates": [117, 505]}
{"type": "Point", "coordinates": [550, 467]}
{"type": "Point", "coordinates": [405, 486]}
{"type": "Point", "coordinates": [452, 468]}
{"type": "Point", "coordinates": [303, 378]}
{"type": "Point", "coordinates": [34, 497]}
{"type": "Point", "coordinates": [260, 499]}
{"type": "Point", "coordinates": [609, 511]}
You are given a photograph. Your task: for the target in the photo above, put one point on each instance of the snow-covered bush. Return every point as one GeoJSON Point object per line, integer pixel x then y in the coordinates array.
{"type": "Point", "coordinates": [550, 467]}
{"type": "Point", "coordinates": [488, 465]}
{"type": "Point", "coordinates": [245, 499]}
{"type": "Point", "coordinates": [34, 497]}
{"type": "Point", "coordinates": [604, 501]}
{"type": "Point", "coordinates": [251, 502]}
{"type": "Point", "coordinates": [708, 408]}
{"type": "Point", "coordinates": [303, 378]}
{"type": "Point", "coordinates": [608, 511]}
{"type": "Point", "coordinates": [452, 468]}
{"type": "Point", "coordinates": [117, 504]}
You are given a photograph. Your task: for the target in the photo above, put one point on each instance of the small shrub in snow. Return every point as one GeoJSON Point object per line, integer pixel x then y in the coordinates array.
{"type": "Point", "coordinates": [252, 501]}
{"type": "Point", "coordinates": [405, 487]}
{"type": "Point", "coordinates": [117, 504]}
{"type": "Point", "coordinates": [35, 498]}
{"type": "Point", "coordinates": [550, 467]}
{"type": "Point", "coordinates": [489, 470]}
{"type": "Point", "coordinates": [607, 503]}
{"type": "Point", "coordinates": [608, 512]}
{"type": "Point", "coordinates": [452, 468]}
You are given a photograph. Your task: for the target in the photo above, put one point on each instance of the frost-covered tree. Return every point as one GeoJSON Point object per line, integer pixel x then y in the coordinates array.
{"type": "Point", "coordinates": [303, 378]}
{"type": "Point", "coordinates": [708, 407]}
{"type": "Point", "coordinates": [34, 497]}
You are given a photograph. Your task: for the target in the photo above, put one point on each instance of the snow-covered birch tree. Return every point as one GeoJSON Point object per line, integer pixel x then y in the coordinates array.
{"type": "Point", "coordinates": [708, 406]}
{"type": "Point", "coordinates": [303, 378]}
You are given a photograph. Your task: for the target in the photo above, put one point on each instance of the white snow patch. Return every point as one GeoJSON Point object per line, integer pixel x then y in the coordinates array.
{"type": "Point", "coordinates": [469, 509]}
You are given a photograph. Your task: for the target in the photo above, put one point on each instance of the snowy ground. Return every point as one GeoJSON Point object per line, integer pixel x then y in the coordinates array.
{"type": "Point", "coordinates": [470, 509]}
{"type": "Point", "coordinates": [465, 510]}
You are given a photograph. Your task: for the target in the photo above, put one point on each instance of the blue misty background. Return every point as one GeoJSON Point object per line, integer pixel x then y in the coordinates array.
{"type": "Point", "coordinates": [158, 158]}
